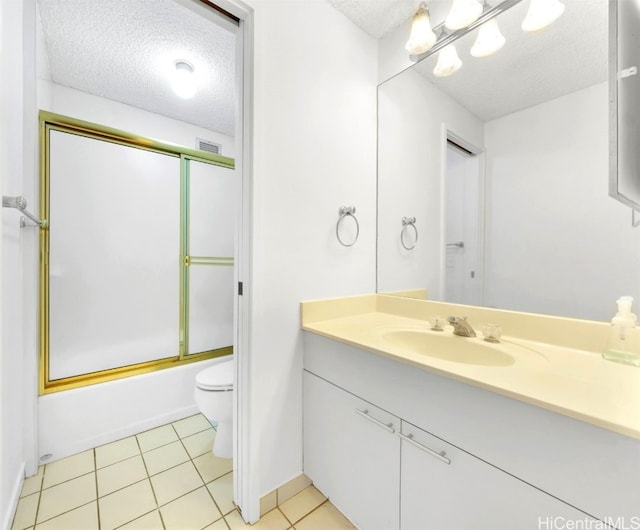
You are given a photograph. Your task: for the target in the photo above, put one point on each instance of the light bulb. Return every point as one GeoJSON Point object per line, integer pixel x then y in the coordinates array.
{"type": "Point", "coordinates": [422, 37]}
{"type": "Point", "coordinates": [489, 39]}
{"type": "Point", "coordinates": [541, 13]}
{"type": "Point", "coordinates": [183, 81]}
{"type": "Point", "coordinates": [463, 13]}
{"type": "Point", "coordinates": [448, 62]}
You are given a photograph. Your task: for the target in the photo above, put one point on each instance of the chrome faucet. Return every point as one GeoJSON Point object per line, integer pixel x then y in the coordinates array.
{"type": "Point", "coordinates": [461, 327]}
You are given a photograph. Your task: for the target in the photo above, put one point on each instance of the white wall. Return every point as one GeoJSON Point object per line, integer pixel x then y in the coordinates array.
{"type": "Point", "coordinates": [81, 105]}
{"type": "Point", "coordinates": [18, 357]}
{"type": "Point", "coordinates": [315, 150]}
{"type": "Point", "coordinates": [549, 214]}
{"type": "Point", "coordinates": [411, 165]}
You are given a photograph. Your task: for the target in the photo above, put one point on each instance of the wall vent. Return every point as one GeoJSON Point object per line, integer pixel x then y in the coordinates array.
{"type": "Point", "coordinates": [208, 146]}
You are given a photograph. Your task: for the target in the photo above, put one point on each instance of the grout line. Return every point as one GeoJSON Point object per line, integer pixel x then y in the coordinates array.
{"type": "Point", "coordinates": [95, 466]}
{"type": "Point", "coordinates": [63, 513]}
{"type": "Point", "coordinates": [284, 515]}
{"type": "Point", "coordinates": [309, 513]}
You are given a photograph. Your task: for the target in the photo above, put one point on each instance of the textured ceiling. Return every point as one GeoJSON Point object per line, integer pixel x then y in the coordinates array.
{"type": "Point", "coordinates": [531, 68]}
{"type": "Point", "coordinates": [125, 51]}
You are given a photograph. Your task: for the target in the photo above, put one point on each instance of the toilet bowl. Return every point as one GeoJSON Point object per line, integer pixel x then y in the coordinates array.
{"type": "Point", "coordinates": [214, 397]}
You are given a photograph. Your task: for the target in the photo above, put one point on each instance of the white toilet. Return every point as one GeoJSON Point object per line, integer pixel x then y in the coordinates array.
{"type": "Point", "coordinates": [214, 397]}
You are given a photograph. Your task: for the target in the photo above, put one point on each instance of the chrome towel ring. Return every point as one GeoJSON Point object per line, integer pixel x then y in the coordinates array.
{"type": "Point", "coordinates": [347, 211]}
{"type": "Point", "coordinates": [408, 222]}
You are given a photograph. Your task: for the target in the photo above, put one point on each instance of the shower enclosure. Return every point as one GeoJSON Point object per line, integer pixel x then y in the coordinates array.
{"type": "Point", "coordinates": [136, 266]}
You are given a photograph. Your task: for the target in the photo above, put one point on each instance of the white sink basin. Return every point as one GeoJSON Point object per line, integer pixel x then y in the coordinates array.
{"type": "Point", "coordinates": [445, 346]}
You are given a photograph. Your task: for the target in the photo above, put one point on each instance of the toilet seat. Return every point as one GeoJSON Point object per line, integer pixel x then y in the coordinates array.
{"type": "Point", "coordinates": [216, 378]}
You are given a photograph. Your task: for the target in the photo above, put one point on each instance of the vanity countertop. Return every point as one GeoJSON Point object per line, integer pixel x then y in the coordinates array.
{"type": "Point", "coordinates": [563, 371]}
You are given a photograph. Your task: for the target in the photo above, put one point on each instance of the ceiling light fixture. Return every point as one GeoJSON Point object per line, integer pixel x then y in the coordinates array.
{"type": "Point", "coordinates": [422, 37]}
{"type": "Point", "coordinates": [541, 13]}
{"type": "Point", "coordinates": [463, 13]}
{"type": "Point", "coordinates": [448, 62]}
{"type": "Point", "coordinates": [184, 82]}
{"type": "Point", "coordinates": [489, 39]}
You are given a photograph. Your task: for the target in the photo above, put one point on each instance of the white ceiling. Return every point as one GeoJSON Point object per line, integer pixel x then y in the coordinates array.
{"type": "Point", "coordinates": [124, 51]}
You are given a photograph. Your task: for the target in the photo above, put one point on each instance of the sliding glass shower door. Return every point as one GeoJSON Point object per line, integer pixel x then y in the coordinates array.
{"type": "Point", "coordinates": [137, 262]}
{"type": "Point", "coordinates": [209, 256]}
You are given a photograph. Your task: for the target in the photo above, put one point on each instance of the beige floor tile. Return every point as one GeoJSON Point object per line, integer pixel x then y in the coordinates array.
{"type": "Point", "coordinates": [157, 437]}
{"type": "Point", "coordinates": [191, 425]}
{"type": "Point", "coordinates": [116, 451]}
{"type": "Point", "coordinates": [301, 504]}
{"type": "Point", "coordinates": [68, 468]}
{"type": "Point", "coordinates": [119, 475]}
{"type": "Point", "coordinates": [190, 512]}
{"type": "Point", "coordinates": [66, 496]}
{"type": "Point", "coordinates": [175, 482]}
{"type": "Point", "coordinates": [218, 525]}
{"type": "Point", "coordinates": [25, 516]}
{"type": "Point", "coordinates": [200, 443]}
{"type": "Point", "coordinates": [151, 521]}
{"type": "Point", "coordinates": [126, 505]}
{"type": "Point", "coordinates": [273, 520]}
{"type": "Point", "coordinates": [164, 457]}
{"type": "Point", "coordinates": [83, 518]}
{"type": "Point", "coordinates": [32, 484]}
{"type": "Point", "coordinates": [235, 522]}
{"type": "Point", "coordinates": [327, 517]}
{"type": "Point", "coordinates": [222, 491]}
{"type": "Point", "coordinates": [211, 467]}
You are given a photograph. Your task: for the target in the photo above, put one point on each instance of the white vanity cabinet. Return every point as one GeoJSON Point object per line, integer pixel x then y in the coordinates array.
{"type": "Point", "coordinates": [351, 454]}
{"type": "Point", "coordinates": [512, 465]}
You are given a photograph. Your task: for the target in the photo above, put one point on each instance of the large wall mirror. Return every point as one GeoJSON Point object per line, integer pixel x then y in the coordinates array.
{"type": "Point", "coordinates": [505, 167]}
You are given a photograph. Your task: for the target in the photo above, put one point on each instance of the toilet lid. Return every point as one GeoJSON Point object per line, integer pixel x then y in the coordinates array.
{"type": "Point", "coordinates": [216, 377]}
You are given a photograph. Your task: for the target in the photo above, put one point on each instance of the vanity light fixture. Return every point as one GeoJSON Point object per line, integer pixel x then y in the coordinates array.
{"type": "Point", "coordinates": [541, 13]}
{"type": "Point", "coordinates": [489, 39]}
{"type": "Point", "coordinates": [183, 81]}
{"type": "Point", "coordinates": [463, 13]}
{"type": "Point", "coordinates": [448, 61]}
{"type": "Point", "coordinates": [422, 37]}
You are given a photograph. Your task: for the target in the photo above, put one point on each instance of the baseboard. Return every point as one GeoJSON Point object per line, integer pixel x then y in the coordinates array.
{"type": "Point", "coordinates": [13, 499]}
{"type": "Point", "coordinates": [283, 493]}
{"type": "Point", "coordinates": [122, 432]}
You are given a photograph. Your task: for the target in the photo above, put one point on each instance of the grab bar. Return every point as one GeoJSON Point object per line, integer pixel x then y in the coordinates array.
{"type": "Point", "coordinates": [20, 203]}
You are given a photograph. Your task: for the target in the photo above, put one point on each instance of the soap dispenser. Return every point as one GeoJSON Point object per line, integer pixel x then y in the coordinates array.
{"type": "Point", "coordinates": [622, 347]}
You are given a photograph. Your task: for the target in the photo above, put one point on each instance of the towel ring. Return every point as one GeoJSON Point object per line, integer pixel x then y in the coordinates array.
{"type": "Point", "coordinates": [347, 211]}
{"type": "Point", "coordinates": [406, 222]}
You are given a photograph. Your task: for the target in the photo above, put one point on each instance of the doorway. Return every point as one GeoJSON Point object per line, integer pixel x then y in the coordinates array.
{"type": "Point", "coordinates": [462, 224]}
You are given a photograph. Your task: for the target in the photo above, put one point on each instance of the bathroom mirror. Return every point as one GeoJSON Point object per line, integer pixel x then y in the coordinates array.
{"type": "Point", "coordinates": [505, 166]}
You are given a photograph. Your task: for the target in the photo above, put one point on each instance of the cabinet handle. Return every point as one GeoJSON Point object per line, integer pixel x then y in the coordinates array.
{"type": "Point", "coordinates": [440, 456]}
{"type": "Point", "coordinates": [386, 426]}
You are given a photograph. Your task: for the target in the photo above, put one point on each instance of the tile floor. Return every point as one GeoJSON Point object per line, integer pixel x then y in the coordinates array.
{"type": "Point", "coordinates": [165, 478]}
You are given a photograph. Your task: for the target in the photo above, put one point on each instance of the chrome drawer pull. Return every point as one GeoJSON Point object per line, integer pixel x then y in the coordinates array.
{"type": "Point", "coordinates": [440, 456]}
{"type": "Point", "coordinates": [386, 426]}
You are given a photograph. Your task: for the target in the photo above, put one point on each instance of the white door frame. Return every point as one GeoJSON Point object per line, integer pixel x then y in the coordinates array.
{"type": "Point", "coordinates": [246, 492]}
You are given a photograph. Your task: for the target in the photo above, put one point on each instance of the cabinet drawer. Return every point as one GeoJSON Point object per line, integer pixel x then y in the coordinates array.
{"type": "Point", "coordinates": [444, 488]}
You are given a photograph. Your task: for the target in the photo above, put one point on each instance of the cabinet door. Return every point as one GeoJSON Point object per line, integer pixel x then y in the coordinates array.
{"type": "Point", "coordinates": [444, 488]}
{"type": "Point", "coordinates": [351, 453]}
